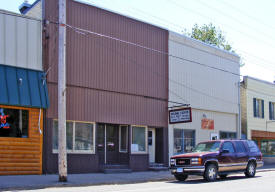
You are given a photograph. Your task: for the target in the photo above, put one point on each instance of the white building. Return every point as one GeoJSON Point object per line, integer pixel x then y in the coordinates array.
{"type": "Point", "coordinates": [258, 114]}
{"type": "Point", "coordinates": [207, 78]}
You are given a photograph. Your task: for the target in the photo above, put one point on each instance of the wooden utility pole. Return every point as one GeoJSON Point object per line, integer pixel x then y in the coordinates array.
{"type": "Point", "coordinates": [62, 155]}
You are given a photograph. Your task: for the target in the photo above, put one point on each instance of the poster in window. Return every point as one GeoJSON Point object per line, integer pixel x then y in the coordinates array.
{"type": "Point", "coordinates": [14, 122]}
{"type": "Point", "coordinates": [3, 120]}
{"type": "Point", "coordinates": [207, 124]}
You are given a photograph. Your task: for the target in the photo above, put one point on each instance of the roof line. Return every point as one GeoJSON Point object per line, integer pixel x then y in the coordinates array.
{"type": "Point", "coordinates": [155, 25]}
{"type": "Point", "coordinates": [32, 5]}
{"type": "Point", "coordinates": [256, 79]}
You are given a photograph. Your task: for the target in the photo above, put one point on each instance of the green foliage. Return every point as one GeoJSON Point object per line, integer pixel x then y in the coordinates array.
{"type": "Point", "coordinates": [210, 35]}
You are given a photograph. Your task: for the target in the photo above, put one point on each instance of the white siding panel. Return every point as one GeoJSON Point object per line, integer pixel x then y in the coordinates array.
{"type": "Point", "coordinates": [20, 41]}
{"type": "Point", "coordinates": [2, 39]}
{"type": "Point", "coordinates": [32, 44]}
{"type": "Point", "coordinates": [261, 90]}
{"type": "Point", "coordinates": [10, 47]}
{"type": "Point", "coordinates": [202, 87]}
{"type": "Point", "coordinates": [222, 122]}
{"type": "Point", "coordinates": [22, 59]}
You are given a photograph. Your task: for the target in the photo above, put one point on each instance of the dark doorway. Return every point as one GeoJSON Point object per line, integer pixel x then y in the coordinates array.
{"type": "Point", "coordinates": [108, 144]}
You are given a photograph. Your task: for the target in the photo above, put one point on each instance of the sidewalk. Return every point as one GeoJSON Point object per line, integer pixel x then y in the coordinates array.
{"type": "Point", "coordinates": [44, 181]}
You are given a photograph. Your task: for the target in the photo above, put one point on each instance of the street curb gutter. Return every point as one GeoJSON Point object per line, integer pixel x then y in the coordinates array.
{"type": "Point", "coordinates": [68, 184]}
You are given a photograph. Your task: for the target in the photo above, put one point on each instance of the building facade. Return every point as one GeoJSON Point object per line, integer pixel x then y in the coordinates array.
{"type": "Point", "coordinates": [23, 95]}
{"type": "Point", "coordinates": [117, 93]}
{"type": "Point", "coordinates": [206, 78]}
{"type": "Point", "coordinates": [258, 114]}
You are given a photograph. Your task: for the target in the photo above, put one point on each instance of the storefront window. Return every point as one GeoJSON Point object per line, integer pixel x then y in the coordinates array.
{"type": "Point", "coordinates": [228, 135]}
{"type": "Point", "coordinates": [184, 141]}
{"type": "Point", "coordinates": [14, 122]}
{"type": "Point", "coordinates": [123, 135]}
{"type": "Point", "coordinates": [139, 139]}
{"type": "Point", "coordinates": [268, 147]}
{"type": "Point", "coordinates": [79, 136]}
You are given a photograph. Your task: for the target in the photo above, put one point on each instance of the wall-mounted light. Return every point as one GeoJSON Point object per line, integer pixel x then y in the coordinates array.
{"type": "Point", "coordinates": [20, 81]}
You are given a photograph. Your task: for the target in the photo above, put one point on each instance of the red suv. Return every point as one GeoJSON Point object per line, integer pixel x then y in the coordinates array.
{"type": "Point", "coordinates": [218, 158]}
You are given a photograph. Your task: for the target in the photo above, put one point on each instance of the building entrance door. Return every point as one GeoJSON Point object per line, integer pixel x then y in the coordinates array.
{"type": "Point", "coordinates": [152, 144]}
{"type": "Point", "coordinates": [107, 144]}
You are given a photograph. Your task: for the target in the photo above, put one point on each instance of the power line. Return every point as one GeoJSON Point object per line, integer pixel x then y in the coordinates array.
{"type": "Point", "coordinates": [232, 18]}
{"type": "Point", "coordinates": [165, 21]}
{"type": "Point", "coordinates": [147, 48]}
{"type": "Point", "coordinates": [263, 66]}
{"type": "Point", "coordinates": [249, 16]}
{"type": "Point", "coordinates": [49, 68]}
{"type": "Point", "coordinates": [171, 80]}
{"type": "Point", "coordinates": [235, 29]}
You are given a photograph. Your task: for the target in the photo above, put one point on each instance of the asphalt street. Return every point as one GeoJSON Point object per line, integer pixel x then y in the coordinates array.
{"type": "Point", "coordinates": [263, 182]}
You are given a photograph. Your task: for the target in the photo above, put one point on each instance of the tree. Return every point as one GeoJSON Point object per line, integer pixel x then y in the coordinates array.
{"type": "Point", "coordinates": [210, 35]}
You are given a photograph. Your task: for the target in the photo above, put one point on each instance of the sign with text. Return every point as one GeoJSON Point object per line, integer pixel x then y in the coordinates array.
{"type": "Point", "coordinates": [207, 124]}
{"type": "Point", "coordinates": [183, 115]}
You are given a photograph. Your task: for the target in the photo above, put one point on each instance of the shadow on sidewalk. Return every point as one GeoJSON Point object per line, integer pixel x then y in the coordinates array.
{"type": "Point", "coordinates": [199, 180]}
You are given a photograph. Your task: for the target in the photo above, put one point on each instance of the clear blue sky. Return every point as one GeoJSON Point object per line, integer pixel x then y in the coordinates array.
{"type": "Point", "coordinates": [247, 24]}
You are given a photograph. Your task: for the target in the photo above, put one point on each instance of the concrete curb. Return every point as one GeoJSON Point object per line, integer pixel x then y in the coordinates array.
{"type": "Point", "coordinates": [121, 182]}
{"type": "Point", "coordinates": [59, 185]}
{"type": "Point", "coordinates": [265, 170]}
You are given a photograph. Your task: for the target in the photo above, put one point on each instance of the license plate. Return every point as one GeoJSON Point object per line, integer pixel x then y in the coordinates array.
{"type": "Point", "coordinates": [179, 170]}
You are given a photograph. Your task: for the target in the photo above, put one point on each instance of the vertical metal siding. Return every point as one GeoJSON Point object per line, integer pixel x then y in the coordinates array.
{"type": "Point", "coordinates": [20, 41]}
{"type": "Point", "coordinates": [108, 81]}
{"type": "Point", "coordinates": [23, 87]}
{"type": "Point", "coordinates": [200, 86]}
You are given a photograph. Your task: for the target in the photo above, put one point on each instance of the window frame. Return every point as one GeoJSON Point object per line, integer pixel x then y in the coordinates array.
{"type": "Point", "coordinates": [126, 151]}
{"type": "Point", "coordinates": [271, 110]}
{"type": "Point", "coordinates": [73, 151]}
{"type": "Point", "coordinates": [183, 133]}
{"type": "Point", "coordinates": [264, 153]}
{"type": "Point", "coordinates": [227, 133]}
{"type": "Point", "coordinates": [258, 108]}
{"type": "Point", "coordinates": [146, 139]}
{"type": "Point", "coordinates": [29, 120]}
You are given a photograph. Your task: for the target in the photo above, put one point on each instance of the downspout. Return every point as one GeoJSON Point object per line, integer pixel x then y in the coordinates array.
{"type": "Point", "coordinates": [239, 119]}
{"type": "Point", "coordinates": [39, 120]}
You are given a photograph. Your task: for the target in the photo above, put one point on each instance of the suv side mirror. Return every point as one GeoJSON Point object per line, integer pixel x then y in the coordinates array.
{"type": "Point", "coordinates": [225, 151]}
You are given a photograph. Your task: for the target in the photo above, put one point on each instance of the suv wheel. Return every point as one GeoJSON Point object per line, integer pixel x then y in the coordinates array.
{"type": "Point", "coordinates": [211, 173]}
{"type": "Point", "coordinates": [181, 177]}
{"type": "Point", "coordinates": [250, 169]}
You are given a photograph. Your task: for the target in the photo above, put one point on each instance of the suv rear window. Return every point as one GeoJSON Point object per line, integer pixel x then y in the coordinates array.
{"type": "Point", "coordinates": [252, 146]}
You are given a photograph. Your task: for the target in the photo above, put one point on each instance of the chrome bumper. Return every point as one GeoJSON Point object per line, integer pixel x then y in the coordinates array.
{"type": "Point", "coordinates": [190, 169]}
{"type": "Point", "coordinates": [260, 164]}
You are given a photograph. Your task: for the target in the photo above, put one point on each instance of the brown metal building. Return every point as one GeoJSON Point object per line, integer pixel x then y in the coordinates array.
{"type": "Point", "coordinates": [117, 93]}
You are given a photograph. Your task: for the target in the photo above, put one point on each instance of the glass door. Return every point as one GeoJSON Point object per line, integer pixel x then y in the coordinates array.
{"type": "Point", "coordinates": [108, 143]}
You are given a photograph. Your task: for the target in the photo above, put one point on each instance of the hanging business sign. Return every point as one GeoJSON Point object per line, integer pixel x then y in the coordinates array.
{"type": "Point", "coordinates": [183, 115]}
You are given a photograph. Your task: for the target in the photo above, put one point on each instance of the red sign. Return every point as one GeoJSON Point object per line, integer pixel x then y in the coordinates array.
{"type": "Point", "coordinates": [207, 124]}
